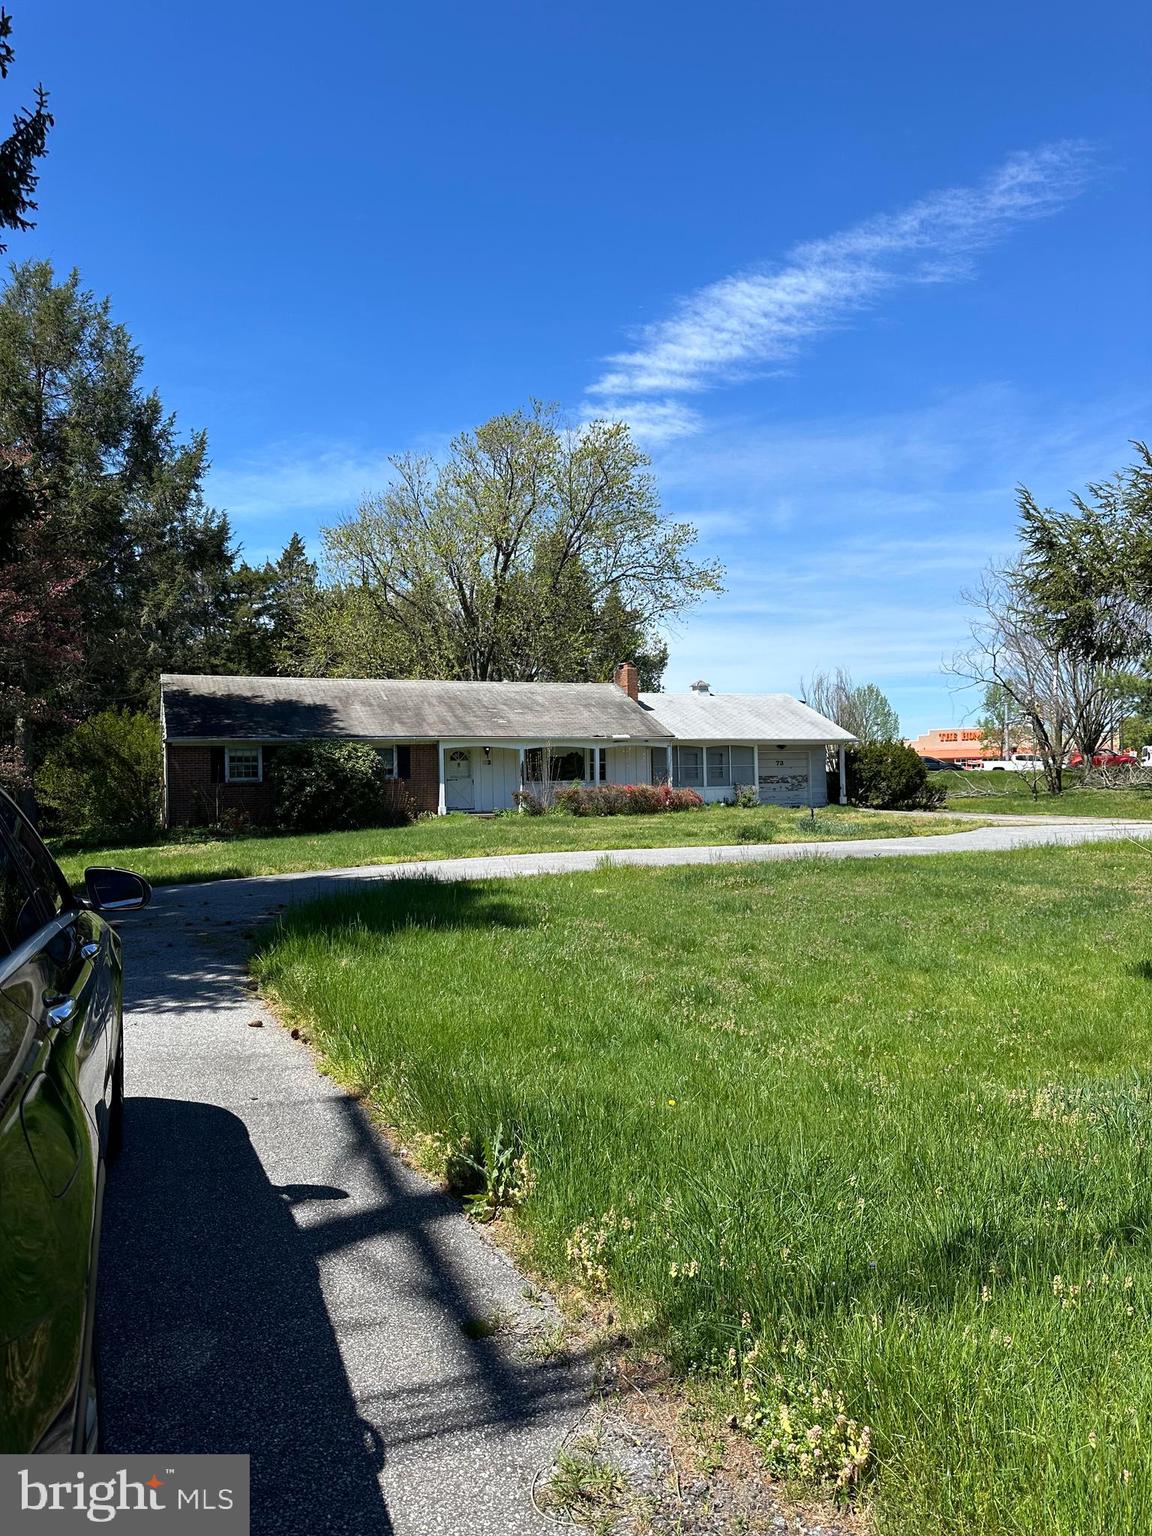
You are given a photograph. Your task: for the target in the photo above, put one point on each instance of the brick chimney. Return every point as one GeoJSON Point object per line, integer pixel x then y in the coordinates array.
{"type": "Point", "coordinates": [627, 677]}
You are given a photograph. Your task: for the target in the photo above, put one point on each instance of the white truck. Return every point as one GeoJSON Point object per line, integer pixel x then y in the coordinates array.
{"type": "Point", "coordinates": [1016, 762]}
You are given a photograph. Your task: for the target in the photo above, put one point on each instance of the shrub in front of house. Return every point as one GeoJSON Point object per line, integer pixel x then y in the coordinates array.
{"type": "Point", "coordinates": [889, 776]}
{"type": "Point", "coordinates": [329, 786]}
{"type": "Point", "coordinates": [625, 799]}
{"type": "Point", "coordinates": [530, 803]}
{"type": "Point", "coordinates": [104, 776]}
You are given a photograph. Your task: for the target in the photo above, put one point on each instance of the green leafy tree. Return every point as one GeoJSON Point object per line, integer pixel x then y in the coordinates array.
{"type": "Point", "coordinates": [23, 147]}
{"type": "Point", "coordinates": [860, 708]}
{"type": "Point", "coordinates": [531, 553]}
{"type": "Point", "coordinates": [104, 776]}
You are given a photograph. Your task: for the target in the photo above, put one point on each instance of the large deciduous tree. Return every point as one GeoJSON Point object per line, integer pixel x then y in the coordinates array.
{"type": "Point", "coordinates": [531, 552]}
{"type": "Point", "coordinates": [860, 708]}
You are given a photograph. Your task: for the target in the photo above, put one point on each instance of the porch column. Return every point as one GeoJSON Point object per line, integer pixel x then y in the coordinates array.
{"type": "Point", "coordinates": [596, 757]}
{"type": "Point", "coordinates": [442, 807]}
{"type": "Point", "coordinates": [519, 804]}
{"type": "Point", "coordinates": [668, 762]}
{"type": "Point", "coordinates": [843, 778]}
{"type": "Point", "coordinates": [756, 768]}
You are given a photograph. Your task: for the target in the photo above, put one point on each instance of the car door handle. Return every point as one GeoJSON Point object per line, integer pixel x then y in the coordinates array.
{"type": "Point", "coordinates": [90, 950]}
{"type": "Point", "coordinates": [62, 1012]}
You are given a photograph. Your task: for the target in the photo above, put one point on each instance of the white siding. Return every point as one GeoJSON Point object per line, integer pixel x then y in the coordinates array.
{"type": "Point", "coordinates": [497, 780]}
{"type": "Point", "coordinates": [628, 765]}
{"type": "Point", "coordinates": [789, 774]}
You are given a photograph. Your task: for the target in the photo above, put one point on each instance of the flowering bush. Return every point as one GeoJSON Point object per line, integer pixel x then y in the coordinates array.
{"type": "Point", "coordinates": [625, 799]}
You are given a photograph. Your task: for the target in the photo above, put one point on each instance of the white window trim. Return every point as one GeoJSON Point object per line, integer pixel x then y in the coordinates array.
{"type": "Point", "coordinates": [247, 752]}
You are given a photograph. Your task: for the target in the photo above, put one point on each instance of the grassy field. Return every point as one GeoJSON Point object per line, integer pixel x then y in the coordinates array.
{"type": "Point", "coordinates": [201, 856]}
{"type": "Point", "coordinates": [866, 1143]}
{"type": "Point", "coordinates": [1011, 793]}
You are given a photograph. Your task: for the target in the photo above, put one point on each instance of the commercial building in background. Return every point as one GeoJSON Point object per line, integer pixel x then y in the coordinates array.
{"type": "Point", "coordinates": [960, 744]}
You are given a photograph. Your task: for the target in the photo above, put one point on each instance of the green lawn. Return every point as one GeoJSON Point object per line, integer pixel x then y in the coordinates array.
{"type": "Point", "coordinates": [866, 1138]}
{"type": "Point", "coordinates": [1011, 793]}
{"type": "Point", "coordinates": [203, 856]}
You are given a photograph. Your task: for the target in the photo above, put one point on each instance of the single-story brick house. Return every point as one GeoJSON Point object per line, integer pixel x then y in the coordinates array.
{"type": "Point", "coordinates": [471, 746]}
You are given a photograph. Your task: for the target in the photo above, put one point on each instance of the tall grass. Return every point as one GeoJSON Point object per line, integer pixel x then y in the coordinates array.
{"type": "Point", "coordinates": [1011, 793]}
{"type": "Point", "coordinates": [869, 1141]}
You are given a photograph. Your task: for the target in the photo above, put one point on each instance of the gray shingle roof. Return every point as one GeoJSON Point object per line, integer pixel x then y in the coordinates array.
{"type": "Point", "coordinates": [292, 708]}
{"type": "Point", "coordinates": [742, 717]}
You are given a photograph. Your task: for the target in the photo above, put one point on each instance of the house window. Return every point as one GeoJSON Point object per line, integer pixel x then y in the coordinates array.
{"type": "Point", "coordinates": [387, 756]}
{"type": "Point", "coordinates": [717, 762]}
{"type": "Point", "coordinates": [563, 767]}
{"type": "Point", "coordinates": [741, 762]}
{"type": "Point", "coordinates": [567, 766]}
{"type": "Point", "coordinates": [243, 765]}
{"type": "Point", "coordinates": [690, 766]}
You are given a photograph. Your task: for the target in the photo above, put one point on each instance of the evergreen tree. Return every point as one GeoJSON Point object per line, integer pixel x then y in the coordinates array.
{"type": "Point", "coordinates": [100, 482]}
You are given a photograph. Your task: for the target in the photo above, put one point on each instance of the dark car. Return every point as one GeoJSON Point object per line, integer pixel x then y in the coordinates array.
{"type": "Point", "coordinates": [61, 1105]}
{"type": "Point", "coordinates": [941, 765]}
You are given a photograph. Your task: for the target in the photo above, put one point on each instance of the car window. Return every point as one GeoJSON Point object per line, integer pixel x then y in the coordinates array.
{"type": "Point", "coordinates": [50, 894]}
{"type": "Point", "coordinates": [14, 902]}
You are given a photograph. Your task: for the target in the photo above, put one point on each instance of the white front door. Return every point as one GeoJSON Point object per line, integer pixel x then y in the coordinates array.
{"type": "Point", "coordinates": [783, 777]}
{"type": "Point", "coordinates": [459, 791]}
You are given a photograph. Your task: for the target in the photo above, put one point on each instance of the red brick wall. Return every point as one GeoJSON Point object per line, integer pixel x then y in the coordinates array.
{"type": "Point", "coordinates": [193, 799]}
{"type": "Point", "coordinates": [425, 781]}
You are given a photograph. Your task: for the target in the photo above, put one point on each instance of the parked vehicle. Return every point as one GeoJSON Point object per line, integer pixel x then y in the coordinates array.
{"type": "Point", "coordinates": [941, 765]}
{"type": "Point", "coordinates": [61, 1111]}
{"type": "Point", "coordinates": [1146, 757]}
{"type": "Point", "coordinates": [1018, 762]}
{"type": "Point", "coordinates": [1104, 759]}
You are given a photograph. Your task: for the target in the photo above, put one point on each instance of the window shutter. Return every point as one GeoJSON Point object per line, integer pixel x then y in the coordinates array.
{"type": "Point", "coordinates": [403, 762]}
{"type": "Point", "coordinates": [216, 773]}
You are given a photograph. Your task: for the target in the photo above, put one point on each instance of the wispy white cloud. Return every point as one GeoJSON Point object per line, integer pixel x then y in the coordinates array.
{"type": "Point", "coordinates": [849, 540]}
{"type": "Point", "coordinates": [653, 422]}
{"type": "Point", "coordinates": [758, 319]}
{"type": "Point", "coordinates": [289, 479]}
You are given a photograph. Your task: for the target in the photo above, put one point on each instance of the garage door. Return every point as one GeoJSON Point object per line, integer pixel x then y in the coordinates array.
{"type": "Point", "coordinates": [783, 777]}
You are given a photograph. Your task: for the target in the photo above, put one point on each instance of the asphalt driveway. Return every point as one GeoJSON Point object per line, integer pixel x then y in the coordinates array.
{"type": "Point", "coordinates": [274, 1279]}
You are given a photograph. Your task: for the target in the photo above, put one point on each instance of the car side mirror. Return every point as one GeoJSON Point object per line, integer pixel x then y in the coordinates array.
{"type": "Point", "coordinates": [116, 890]}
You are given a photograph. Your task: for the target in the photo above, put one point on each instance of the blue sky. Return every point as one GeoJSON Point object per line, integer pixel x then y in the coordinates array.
{"type": "Point", "coordinates": [851, 272]}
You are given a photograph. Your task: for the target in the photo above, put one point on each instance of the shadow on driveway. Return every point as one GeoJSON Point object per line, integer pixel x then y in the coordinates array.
{"type": "Point", "coordinates": [214, 1335]}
